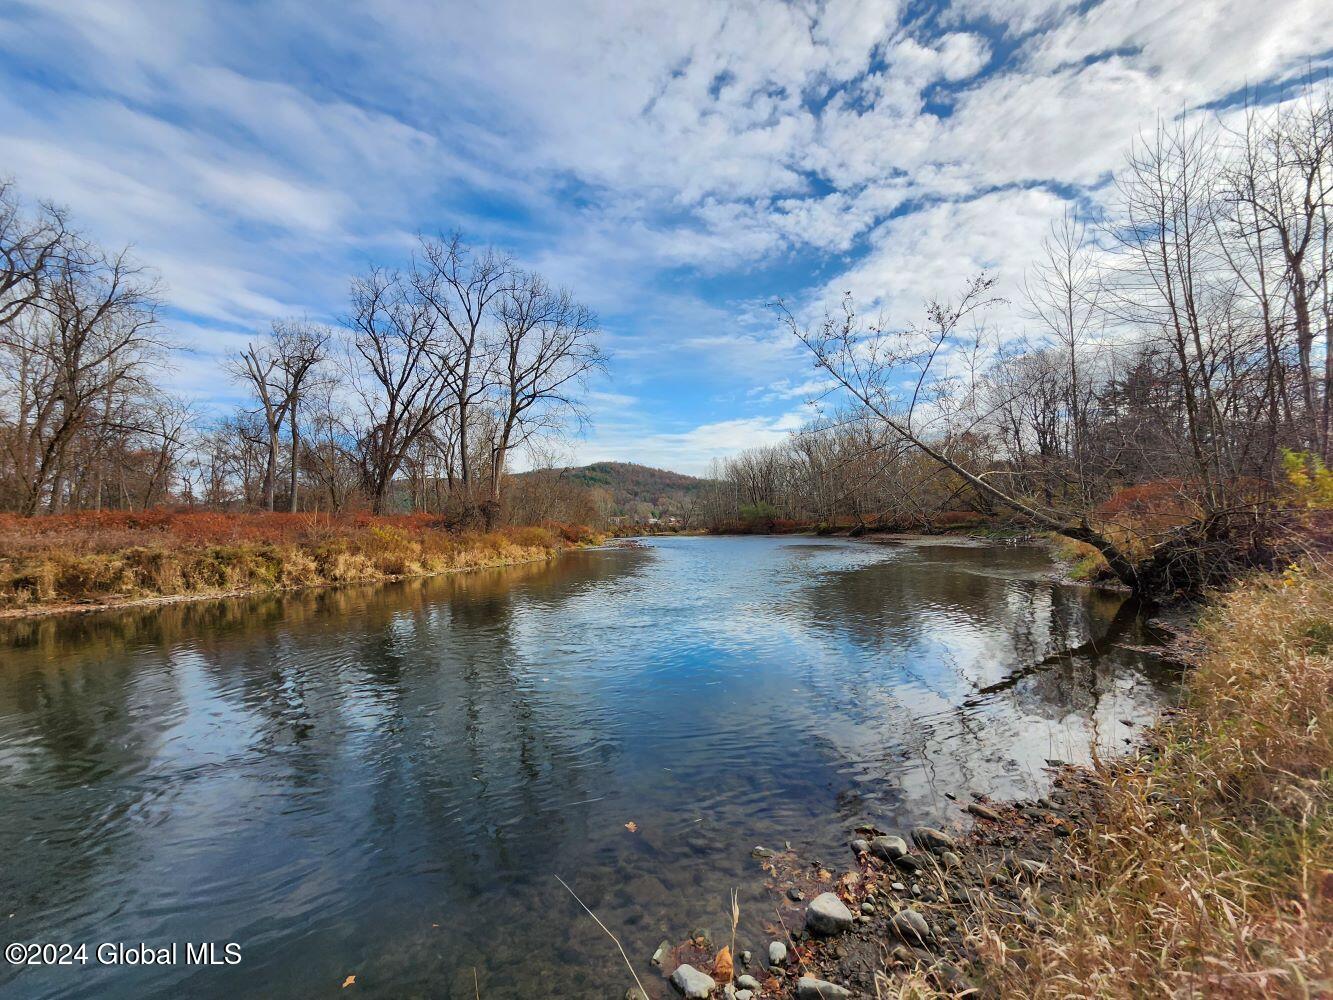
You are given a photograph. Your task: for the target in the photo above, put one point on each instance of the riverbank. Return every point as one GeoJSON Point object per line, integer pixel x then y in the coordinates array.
{"type": "Point", "coordinates": [1201, 863]}
{"type": "Point", "coordinates": [86, 562]}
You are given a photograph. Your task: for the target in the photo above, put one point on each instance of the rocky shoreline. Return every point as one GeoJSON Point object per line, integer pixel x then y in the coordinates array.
{"type": "Point", "coordinates": [910, 910]}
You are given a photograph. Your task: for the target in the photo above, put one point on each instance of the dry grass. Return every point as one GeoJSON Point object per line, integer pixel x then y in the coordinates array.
{"type": "Point", "coordinates": [117, 557]}
{"type": "Point", "coordinates": [1210, 870]}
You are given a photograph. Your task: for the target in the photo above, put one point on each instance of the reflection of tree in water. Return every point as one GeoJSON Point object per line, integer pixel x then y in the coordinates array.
{"type": "Point", "coordinates": [423, 704]}
{"type": "Point", "coordinates": [963, 653]}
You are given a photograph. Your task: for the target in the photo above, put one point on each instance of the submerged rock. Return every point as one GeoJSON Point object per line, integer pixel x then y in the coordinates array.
{"type": "Point", "coordinates": [810, 988]}
{"type": "Point", "coordinates": [692, 984]}
{"type": "Point", "coordinates": [888, 848]}
{"type": "Point", "coordinates": [661, 953]}
{"type": "Point", "coordinates": [794, 894]}
{"type": "Point", "coordinates": [827, 915]}
{"type": "Point", "coordinates": [929, 839]}
{"type": "Point", "coordinates": [777, 953]}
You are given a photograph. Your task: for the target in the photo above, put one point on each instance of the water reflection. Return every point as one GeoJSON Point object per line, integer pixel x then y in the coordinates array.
{"type": "Point", "coordinates": [382, 781]}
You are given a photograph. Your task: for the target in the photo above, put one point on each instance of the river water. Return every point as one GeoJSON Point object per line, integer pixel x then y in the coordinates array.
{"type": "Point", "coordinates": [384, 781]}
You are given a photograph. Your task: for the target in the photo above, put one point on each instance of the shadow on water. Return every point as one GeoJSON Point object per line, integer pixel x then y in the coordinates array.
{"type": "Point", "coordinates": [384, 780]}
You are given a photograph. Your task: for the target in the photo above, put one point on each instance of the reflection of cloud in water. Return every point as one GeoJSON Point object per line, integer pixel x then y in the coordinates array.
{"type": "Point", "coordinates": [386, 778]}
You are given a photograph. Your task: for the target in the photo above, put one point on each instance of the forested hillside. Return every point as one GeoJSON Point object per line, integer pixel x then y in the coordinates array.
{"type": "Point", "coordinates": [639, 491]}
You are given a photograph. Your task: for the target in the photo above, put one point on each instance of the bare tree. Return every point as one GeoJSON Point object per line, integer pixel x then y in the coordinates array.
{"type": "Point", "coordinates": [548, 348]}
{"type": "Point", "coordinates": [300, 348]}
{"type": "Point", "coordinates": [259, 366]}
{"type": "Point", "coordinates": [460, 288]}
{"type": "Point", "coordinates": [396, 372]}
{"type": "Point", "coordinates": [87, 337]}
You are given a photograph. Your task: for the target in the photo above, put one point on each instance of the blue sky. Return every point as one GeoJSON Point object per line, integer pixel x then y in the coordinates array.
{"type": "Point", "coordinates": [677, 165]}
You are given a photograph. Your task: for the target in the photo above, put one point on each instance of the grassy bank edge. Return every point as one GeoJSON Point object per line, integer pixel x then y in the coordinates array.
{"type": "Point", "coordinates": [1208, 869]}
{"type": "Point", "coordinates": [57, 580]}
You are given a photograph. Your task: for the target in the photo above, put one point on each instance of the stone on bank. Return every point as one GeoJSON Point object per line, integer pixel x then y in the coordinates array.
{"type": "Point", "coordinates": [827, 915]}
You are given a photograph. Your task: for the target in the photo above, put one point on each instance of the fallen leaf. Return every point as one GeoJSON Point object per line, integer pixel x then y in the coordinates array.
{"type": "Point", "coordinates": [349, 981]}
{"type": "Point", "coordinates": [632, 826]}
{"type": "Point", "coordinates": [722, 966]}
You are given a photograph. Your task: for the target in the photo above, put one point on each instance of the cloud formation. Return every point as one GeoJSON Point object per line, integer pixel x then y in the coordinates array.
{"type": "Point", "coordinates": [677, 164]}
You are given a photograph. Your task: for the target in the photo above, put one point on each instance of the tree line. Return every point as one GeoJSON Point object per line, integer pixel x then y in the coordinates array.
{"type": "Point", "coordinates": [419, 398]}
{"type": "Point", "coordinates": [1174, 365]}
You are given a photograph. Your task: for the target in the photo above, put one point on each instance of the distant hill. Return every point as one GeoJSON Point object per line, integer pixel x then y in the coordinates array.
{"type": "Point", "coordinates": [638, 491]}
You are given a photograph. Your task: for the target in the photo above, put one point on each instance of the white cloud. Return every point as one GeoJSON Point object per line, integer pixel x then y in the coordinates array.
{"type": "Point", "coordinates": [670, 161]}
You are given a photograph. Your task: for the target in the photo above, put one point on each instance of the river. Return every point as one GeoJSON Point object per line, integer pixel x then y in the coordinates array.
{"type": "Point", "coordinates": [384, 781]}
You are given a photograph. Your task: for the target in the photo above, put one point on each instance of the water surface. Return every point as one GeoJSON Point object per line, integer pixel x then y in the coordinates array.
{"type": "Point", "coordinates": [383, 782]}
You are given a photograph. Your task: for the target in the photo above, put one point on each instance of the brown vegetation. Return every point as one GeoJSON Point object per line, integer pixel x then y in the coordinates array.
{"type": "Point", "coordinates": [1209, 868]}
{"type": "Point", "coordinates": [113, 557]}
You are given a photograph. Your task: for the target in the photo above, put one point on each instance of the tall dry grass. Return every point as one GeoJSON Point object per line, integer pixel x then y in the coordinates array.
{"type": "Point", "coordinates": [116, 557]}
{"type": "Point", "coordinates": [1210, 871]}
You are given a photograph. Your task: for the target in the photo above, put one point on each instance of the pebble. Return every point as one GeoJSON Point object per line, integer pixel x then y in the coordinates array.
{"type": "Point", "coordinates": [827, 914]}
{"type": "Point", "coordinates": [794, 894]}
{"type": "Point", "coordinates": [860, 846]}
{"type": "Point", "coordinates": [744, 995]}
{"type": "Point", "coordinates": [951, 860]}
{"type": "Point", "coordinates": [692, 984]}
{"type": "Point", "coordinates": [810, 988]}
{"type": "Point", "coordinates": [745, 958]}
{"type": "Point", "coordinates": [661, 952]}
{"type": "Point", "coordinates": [868, 908]}
{"type": "Point", "coordinates": [747, 982]}
{"type": "Point", "coordinates": [777, 953]}
{"type": "Point", "coordinates": [761, 852]}
{"type": "Point", "coordinates": [898, 887]}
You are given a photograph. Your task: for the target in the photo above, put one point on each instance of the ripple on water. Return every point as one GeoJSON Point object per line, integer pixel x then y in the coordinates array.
{"type": "Point", "coordinates": [384, 781]}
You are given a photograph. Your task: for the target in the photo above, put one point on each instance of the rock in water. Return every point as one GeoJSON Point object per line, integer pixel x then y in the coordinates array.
{"type": "Point", "coordinates": [662, 951]}
{"type": "Point", "coordinates": [929, 839]}
{"type": "Point", "coordinates": [692, 984]}
{"type": "Point", "coordinates": [810, 988]}
{"type": "Point", "coordinates": [777, 954]}
{"type": "Point", "coordinates": [888, 848]}
{"type": "Point", "coordinates": [910, 926]}
{"type": "Point", "coordinates": [860, 846]}
{"type": "Point", "coordinates": [827, 915]}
